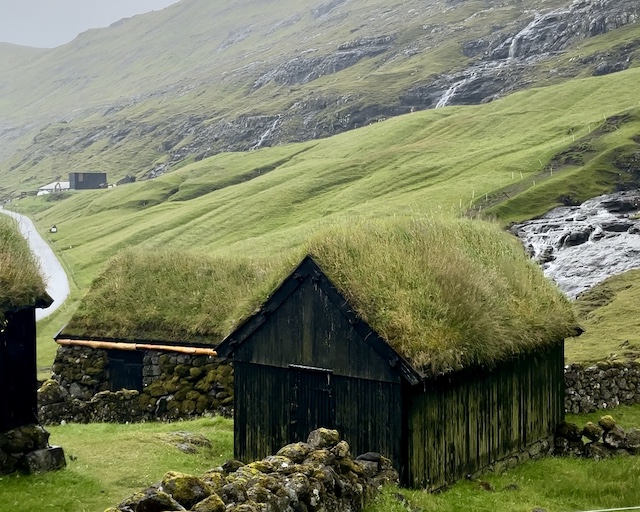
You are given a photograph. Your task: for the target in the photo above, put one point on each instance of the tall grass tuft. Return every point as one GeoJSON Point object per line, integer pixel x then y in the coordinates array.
{"type": "Point", "coordinates": [20, 281]}
{"type": "Point", "coordinates": [445, 292]}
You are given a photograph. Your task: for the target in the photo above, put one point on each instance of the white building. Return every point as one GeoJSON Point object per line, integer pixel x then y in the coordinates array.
{"type": "Point", "coordinates": [56, 186]}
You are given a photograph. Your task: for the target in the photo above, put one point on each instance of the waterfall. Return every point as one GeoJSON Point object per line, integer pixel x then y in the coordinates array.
{"type": "Point", "coordinates": [451, 91]}
{"type": "Point", "coordinates": [266, 134]}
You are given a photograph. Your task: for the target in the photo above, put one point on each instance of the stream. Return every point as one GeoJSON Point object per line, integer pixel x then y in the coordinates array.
{"type": "Point", "coordinates": [580, 246]}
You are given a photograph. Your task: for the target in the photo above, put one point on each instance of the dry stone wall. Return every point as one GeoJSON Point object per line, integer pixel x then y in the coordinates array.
{"type": "Point", "coordinates": [600, 386]}
{"type": "Point", "coordinates": [174, 386]}
{"type": "Point", "coordinates": [320, 474]}
{"type": "Point", "coordinates": [27, 449]}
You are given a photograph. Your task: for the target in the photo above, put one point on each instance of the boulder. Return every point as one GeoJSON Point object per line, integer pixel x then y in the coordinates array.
{"type": "Point", "coordinates": [212, 503]}
{"type": "Point", "coordinates": [185, 489]}
{"type": "Point", "coordinates": [614, 438]}
{"type": "Point", "coordinates": [632, 441]}
{"type": "Point", "coordinates": [323, 438]}
{"type": "Point", "coordinates": [150, 500]}
{"type": "Point", "coordinates": [296, 452]}
{"type": "Point", "coordinates": [51, 392]}
{"type": "Point", "coordinates": [607, 423]}
{"type": "Point", "coordinates": [569, 431]}
{"type": "Point", "coordinates": [592, 431]}
{"type": "Point", "coordinates": [46, 459]}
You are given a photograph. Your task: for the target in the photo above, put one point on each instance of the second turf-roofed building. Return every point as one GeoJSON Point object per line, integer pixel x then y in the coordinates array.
{"type": "Point", "coordinates": [435, 343]}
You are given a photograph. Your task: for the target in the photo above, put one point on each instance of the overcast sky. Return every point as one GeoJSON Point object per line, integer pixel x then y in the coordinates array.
{"type": "Point", "coordinates": [51, 23]}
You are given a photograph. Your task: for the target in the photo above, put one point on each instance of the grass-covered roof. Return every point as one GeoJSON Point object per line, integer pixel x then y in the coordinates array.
{"type": "Point", "coordinates": [20, 281]}
{"type": "Point", "coordinates": [178, 296]}
{"type": "Point", "coordinates": [445, 293]}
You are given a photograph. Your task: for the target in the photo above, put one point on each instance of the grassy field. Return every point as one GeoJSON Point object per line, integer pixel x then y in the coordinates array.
{"type": "Point", "coordinates": [108, 462]}
{"type": "Point", "coordinates": [608, 313]}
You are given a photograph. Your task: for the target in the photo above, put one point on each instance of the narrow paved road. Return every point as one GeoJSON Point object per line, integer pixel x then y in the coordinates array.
{"type": "Point", "coordinates": [52, 271]}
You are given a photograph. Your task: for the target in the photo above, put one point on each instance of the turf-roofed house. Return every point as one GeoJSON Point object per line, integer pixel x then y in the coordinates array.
{"type": "Point", "coordinates": [436, 343]}
{"type": "Point", "coordinates": [23, 443]}
{"type": "Point", "coordinates": [149, 324]}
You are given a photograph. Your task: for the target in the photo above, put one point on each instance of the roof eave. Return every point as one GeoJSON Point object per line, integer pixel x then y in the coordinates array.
{"type": "Point", "coordinates": [308, 267]}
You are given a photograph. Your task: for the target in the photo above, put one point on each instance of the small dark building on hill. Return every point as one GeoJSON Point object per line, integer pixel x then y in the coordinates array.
{"type": "Point", "coordinates": [87, 180]}
{"type": "Point", "coordinates": [307, 360]}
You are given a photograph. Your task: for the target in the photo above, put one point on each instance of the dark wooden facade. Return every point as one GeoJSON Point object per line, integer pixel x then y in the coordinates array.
{"type": "Point", "coordinates": [306, 361]}
{"type": "Point", "coordinates": [18, 370]}
{"type": "Point", "coordinates": [87, 180]}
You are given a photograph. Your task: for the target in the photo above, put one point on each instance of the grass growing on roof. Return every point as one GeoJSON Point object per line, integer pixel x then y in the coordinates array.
{"type": "Point", "coordinates": [20, 281]}
{"type": "Point", "coordinates": [445, 292]}
{"type": "Point", "coordinates": [185, 296]}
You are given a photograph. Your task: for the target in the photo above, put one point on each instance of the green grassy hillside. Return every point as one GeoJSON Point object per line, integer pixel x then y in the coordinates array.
{"type": "Point", "coordinates": [609, 314]}
{"type": "Point", "coordinates": [513, 158]}
{"type": "Point", "coordinates": [266, 201]}
{"type": "Point", "coordinates": [158, 91]}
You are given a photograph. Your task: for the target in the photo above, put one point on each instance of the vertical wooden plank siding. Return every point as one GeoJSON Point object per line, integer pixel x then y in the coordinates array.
{"type": "Point", "coordinates": [461, 423]}
{"type": "Point", "coordinates": [369, 416]}
{"type": "Point", "coordinates": [261, 413]}
{"type": "Point", "coordinates": [18, 374]}
{"type": "Point", "coordinates": [307, 329]}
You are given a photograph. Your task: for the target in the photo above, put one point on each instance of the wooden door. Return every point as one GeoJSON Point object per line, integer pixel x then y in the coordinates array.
{"type": "Point", "coordinates": [311, 404]}
{"type": "Point", "coordinates": [125, 369]}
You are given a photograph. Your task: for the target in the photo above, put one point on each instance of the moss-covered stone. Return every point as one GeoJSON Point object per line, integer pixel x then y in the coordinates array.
{"type": "Point", "coordinates": [607, 422]}
{"type": "Point", "coordinates": [322, 456]}
{"type": "Point", "coordinates": [182, 370]}
{"type": "Point", "coordinates": [342, 449]}
{"type": "Point", "coordinates": [211, 504]}
{"type": "Point", "coordinates": [144, 400]}
{"type": "Point", "coordinates": [592, 431]}
{"type": "Point", "coordinates": [216, 478]}
{"type": "Point", "coordinates": [323, 438]}
{"type": "Point", "coordinates": [185, 489]}
{"type": "Point", "coordinates": [202, 404]}
{"type": "Point", "coordinates": [24, 439]}
{"type": "Point", "coordinates": [569, 431]}
{"type": "Point", "coordinates": [297, 452]}
{"type": "Point", "coordinates": [195, 372]}
{"type": "Point", "coordinates": [150, 500]}
{"type": "Point", "coordinates": [155, 389]}
{"type": "Point", "coordinates": [169, 387]}
{"type": "Point", "coordinates": [188, 407]}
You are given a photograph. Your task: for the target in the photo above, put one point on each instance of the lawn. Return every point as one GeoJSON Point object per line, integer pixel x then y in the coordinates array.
{"type": "Point", "coordinates": [107, 462]}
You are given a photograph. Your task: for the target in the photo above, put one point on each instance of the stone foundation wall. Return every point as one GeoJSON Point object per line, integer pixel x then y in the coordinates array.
{"type": "Point", "coordinates": [27, 449]}
{"type": "Point", "coordinates": [535, 451]}
{"type": "Point", "coordinates": [174, 386]}
{"type": "Point", "coordinates": [182, 386]}
{"type": "Point", "coordinates": [601, 386]}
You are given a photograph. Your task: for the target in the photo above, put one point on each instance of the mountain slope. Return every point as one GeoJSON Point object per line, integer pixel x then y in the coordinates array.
{"type": "Point", "coordinates": [155, 92]}
{"type": "Point", "coordinates": [265, 202]}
